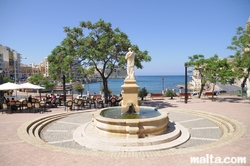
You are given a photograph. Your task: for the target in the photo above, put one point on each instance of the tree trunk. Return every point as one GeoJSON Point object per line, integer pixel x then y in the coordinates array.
{"type": "Point", "coordinates": [201, 90]}
{"type": "Point", "coordinates": [213, 92]}
{"type": "Point", "coordinates": [105, 89]}
{"type": "Point", "coordinates": [243, 85]}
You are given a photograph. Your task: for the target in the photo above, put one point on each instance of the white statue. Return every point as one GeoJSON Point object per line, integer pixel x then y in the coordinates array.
{"type": "Point", "coordinates": [130, 64]}
{"type": "Point", "coordinates": [248, 87]}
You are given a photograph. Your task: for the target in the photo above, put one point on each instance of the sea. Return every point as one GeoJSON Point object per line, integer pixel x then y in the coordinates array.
{"type": "Point", "coordinates": [153, 84]}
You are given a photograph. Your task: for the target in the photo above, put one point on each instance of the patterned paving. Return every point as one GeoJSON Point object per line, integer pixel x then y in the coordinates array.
{"type": "Point", "coordinates": [203, 131]}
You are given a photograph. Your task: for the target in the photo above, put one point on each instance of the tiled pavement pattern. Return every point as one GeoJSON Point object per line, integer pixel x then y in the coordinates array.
{"type": "Point", "coordinates": [59, 133]}
{"type": "Point", "coordinates": [16, 151]}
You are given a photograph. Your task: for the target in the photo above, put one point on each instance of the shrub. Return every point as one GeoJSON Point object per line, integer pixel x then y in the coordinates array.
{"type": "Point", "coordinates": [78, 87]}
{"type": "Point", "coordinates": [142, 93]}
{"type": "Point", "coordinates": [169, 93]}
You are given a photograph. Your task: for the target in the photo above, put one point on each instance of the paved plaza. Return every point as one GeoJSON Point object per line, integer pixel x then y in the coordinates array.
{"type": "Point", "coordinates": [60, 149]}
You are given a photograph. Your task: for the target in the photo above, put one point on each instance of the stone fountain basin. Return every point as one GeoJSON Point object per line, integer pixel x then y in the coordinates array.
{"type": "Point", "coordinates": [131, 128]}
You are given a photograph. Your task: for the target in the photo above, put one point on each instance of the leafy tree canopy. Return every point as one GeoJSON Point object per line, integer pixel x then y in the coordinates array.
{"type": "Point", "coordinates": [94, 46]}
{"type": "Point", "coordinates": [241, 58]}
{"type": "Point", "coordinates": [212, 69]}
{"type": "Point", "coordinates": [39, 79]}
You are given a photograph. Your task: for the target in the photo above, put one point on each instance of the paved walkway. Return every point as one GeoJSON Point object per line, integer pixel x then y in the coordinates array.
{"type": "Point", "coordinates": [15, 151]}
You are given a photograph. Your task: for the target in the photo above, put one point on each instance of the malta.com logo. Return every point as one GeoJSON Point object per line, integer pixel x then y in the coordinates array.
{"type": "Point", "coordinates": [210, 159]}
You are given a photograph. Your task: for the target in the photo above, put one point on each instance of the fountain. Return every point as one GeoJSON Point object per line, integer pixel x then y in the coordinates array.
{"type": "Point", "coordinates": [135, 126]}
{"type": "Point", "coordinates": [134, 121]}
{"type": "Point", "coordinates": [130, 125]}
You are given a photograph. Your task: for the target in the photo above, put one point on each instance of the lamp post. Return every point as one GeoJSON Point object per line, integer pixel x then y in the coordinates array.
{"type": "Point", "coordinates": [64, 92]}
{"type": "Point", "coordinates": [163, 85]}
{"type": "Point", "coordinates": [186, 95]}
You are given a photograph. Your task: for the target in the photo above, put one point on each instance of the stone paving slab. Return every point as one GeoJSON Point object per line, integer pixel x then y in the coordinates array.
{"type": "Point", "coordinates": [14, 151]}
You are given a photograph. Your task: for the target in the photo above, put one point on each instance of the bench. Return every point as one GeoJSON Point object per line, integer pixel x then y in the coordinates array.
{"type": "Point", "coordinates": [157, 95]}
{"type": "Point", "coordinates": [209, 94]}
{"type": "Point", "coordinates": [182, 95]}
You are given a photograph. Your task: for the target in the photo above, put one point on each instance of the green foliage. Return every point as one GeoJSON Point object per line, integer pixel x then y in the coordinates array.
{"type": "Point", "coordinates": [169, 93]}
{"type": "Point", "coordinates": [142, 93]}
{"type": "Point", "coordinates": [7, 79]}
{"type": "Point", "coordinates": [95, 46]}
{"type": "Point", "coordinates": [38, 79]}
{"type": "Point", "coordinates": [78, 87]}
{"type": "Point", "coordinates": [212, 69]}
{"type": "Point", "coordinates": [241, 58]}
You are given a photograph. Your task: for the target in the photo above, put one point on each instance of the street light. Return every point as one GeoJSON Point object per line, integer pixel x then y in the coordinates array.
{"type": "Point", "coordinates": [186, 95]}
{"type": "Point", "coordinates": [162, 84]}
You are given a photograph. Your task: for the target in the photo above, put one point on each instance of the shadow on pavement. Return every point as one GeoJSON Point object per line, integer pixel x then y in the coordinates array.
{"type": "Point", "coordinates": [157, 103]}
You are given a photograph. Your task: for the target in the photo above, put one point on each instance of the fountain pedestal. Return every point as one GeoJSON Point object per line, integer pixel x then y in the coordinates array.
{"type": "Point", "coordinates": [130, 96]}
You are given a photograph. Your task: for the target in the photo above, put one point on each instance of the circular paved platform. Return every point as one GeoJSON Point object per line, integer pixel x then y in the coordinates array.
{"type": "Point", "coordinates": [207, 131]}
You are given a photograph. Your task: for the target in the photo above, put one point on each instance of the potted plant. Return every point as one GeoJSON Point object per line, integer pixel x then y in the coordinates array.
{"type": "Point", "coordinates": [143, 93]}
{"type": "Point", "coordinates": [78, 87]}
{"type": "Point", "coordinates": [170, 93]}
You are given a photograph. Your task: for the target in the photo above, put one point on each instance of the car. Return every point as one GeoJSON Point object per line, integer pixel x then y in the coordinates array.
{"type": "Point", "coordinates": [194, 93]}
{"type": "Point", "coordinates": [220, 91]}
{"type": "Point", "coordinates": [81, 96]}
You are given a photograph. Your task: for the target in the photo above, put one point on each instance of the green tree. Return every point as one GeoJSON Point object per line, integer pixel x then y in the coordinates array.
{"type": "Point", "coordinates": [94, 46]}
{"type": "Point", "coordinates": [77, 86]}
{"type": "Point", "coordinates": [39, 79]}
{"type": "Point", "coordinates": [142, 93]}
{"type": "Point", "coordinates": [218, 70]}
{"type": "Point", "coordinates": [241, 58]}
{"type": "Point", "coordinates": [212, 69]}
{"type": "Point", "coordinates": [170, 93]}
{"type": "Point", "coordinates": [197, 61]}
{"type": "Point", "coordinates": [7, 79]}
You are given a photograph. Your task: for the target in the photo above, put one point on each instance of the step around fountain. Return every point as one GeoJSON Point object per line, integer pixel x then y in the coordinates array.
{"type": "Point", "coordinates": [87, 137]}
{"type": "Point", "coordinates": [231, 130]}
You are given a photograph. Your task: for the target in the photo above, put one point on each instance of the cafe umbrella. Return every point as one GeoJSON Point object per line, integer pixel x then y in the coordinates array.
{"type": "Point", "coordinates": [9, 86]}
{"type": "Point", "coordinates": [28, 85]}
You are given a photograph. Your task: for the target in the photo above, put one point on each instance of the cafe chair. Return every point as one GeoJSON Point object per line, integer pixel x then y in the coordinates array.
{"type": "Point", "coordinates": [24, 104]}
{"type": "Point", "coordinates": [43, 106]}
{"type": "Point", "coordinates": [18, 106]}
{"type": "Point", "coordinates": [13, 106]}
{"type": "Point", "coordinates": [69, 105]}
{"type": "Point", "coordinates": [37, 107]}
{"type": "Point", "coordinates": [29, 107]}
{"type": "Point", "coordinates": [79, 104]}
{"type": "Point", "coordinates": [113, 102]}
{"type": "Point", "coordinates": [6, 108]}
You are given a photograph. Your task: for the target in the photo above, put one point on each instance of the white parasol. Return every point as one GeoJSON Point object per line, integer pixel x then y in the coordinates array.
{"type": "Point", "coordinates": [9, 86]}
{"type": "Point", "coordinates": [28, 85]}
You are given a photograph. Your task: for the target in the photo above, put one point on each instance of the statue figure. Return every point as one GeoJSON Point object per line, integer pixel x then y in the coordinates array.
{"type": "Point", "coordinates": [130, 64]}
{"type": "Point", "coordinates": [248, 87]}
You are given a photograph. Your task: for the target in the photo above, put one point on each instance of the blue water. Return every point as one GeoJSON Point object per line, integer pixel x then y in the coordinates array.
{"type": "Point", "coordinates": [153, 84]}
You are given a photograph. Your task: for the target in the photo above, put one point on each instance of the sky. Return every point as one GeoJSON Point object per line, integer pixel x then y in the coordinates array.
{"type": "Point", "coordinates": [170, 30]}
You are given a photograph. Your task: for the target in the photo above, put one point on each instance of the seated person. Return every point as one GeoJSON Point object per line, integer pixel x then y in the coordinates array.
{"type": "Point", "coordinates": [13, 106]}
{"type": "Point", "coordinates": [7, 101]}
{"type": "Point", "coordinates": [119, 99]}
{"type": "Point", "coordinates": [53, 100]}
{"type": "Point", "coordinates": [13, 99]}
{"type": "Point", "coordinates": [113, 100]}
